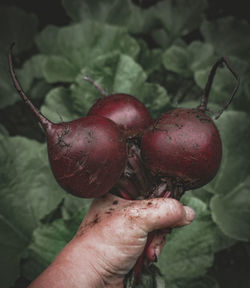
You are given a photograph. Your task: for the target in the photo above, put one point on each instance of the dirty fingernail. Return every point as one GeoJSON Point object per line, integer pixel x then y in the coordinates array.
{"type": "Point", "coordinates": [190, 214]}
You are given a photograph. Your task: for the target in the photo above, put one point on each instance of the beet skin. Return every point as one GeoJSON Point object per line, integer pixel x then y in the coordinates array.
{"type": "Point", "coordinates": [183, 145]}
{"type": "Point", "coordinates": [126, 111]}
{"type": "Point", "coordinates": [87, 155]}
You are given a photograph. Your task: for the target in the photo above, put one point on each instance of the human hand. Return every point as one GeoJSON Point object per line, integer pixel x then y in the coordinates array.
{"type": "Point", "coordinates": [110, 239]}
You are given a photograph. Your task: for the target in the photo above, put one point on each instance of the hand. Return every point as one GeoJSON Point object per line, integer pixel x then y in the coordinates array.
{"type": "Point", "coordinates": [110, 239]}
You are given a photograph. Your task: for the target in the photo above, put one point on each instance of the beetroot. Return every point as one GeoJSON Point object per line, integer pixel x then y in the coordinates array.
{"type": "Point", "coordinates": [125, 110]}
{"type": "Point", "coordinates": [183, 147]}
{"type": "Point", "coordinates": [133, 118]}
{"type": "Point", "coordinates": [87, 155]}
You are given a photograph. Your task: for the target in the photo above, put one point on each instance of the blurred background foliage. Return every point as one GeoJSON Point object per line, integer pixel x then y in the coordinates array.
{"type": "Point", "coordinates": [159, 51]}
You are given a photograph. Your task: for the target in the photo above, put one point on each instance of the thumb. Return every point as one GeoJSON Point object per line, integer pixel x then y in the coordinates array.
{"type": "Point", "coordinates": [160, 213]}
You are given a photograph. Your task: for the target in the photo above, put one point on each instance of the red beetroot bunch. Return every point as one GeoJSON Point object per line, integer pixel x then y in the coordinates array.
{"type": "Point", "coordinates": [118, 148]}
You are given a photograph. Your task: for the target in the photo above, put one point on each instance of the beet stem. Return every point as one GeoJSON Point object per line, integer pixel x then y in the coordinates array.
{"type": "Point", "coordinates": [126, 185]}
{"type": "Point", "coordinates": [236, 76]}
{"type": "Point", "coordinates": [42, 119]}
{"type": "Point", "coordinates": [205, 96]}
{"type": "Point", "coordinates": [135, 162]}
{"type": "Point", "coordinates": [98, 87]}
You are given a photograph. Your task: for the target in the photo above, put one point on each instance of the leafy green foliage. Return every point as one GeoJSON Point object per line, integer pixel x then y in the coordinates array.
{"type": "Point", "coordinates": [234, 170]}
{"type": "Point", "coordinates": [231, 204]}
{"type": "Point", "coordinates": [185, 60]}
{"type": "Point", "coordinates": [162, 55]}
{"type": "Point", "coordinates": [202, 282]}
{"type": "Point", "coordinates": [228, 37]}
{"type": "Point", "coordinates": [189, 251]}
{"type": "Point", "coordinates": [120, 13]}
{"type": "Point", "coordinates": [233, 219]}
{"type": "Point", "coordinates": [73, 47]}
{"type": "Point", "coordinates": [48, 241]}
{"type": "Point", "coordinates": [117, 73]}
{"type": "Point", "coordinates": [177, 18]}
{"type": "Point", "coordinates": [150, 277]}
{"type": "Point", "coordinates": [28, 193]}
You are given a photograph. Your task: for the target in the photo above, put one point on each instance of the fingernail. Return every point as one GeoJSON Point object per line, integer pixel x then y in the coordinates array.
{"type": "Point", "coordinates": [190, 214]}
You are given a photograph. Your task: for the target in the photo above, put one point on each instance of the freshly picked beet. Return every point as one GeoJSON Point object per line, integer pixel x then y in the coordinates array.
{"type": "Point", "coordinates": [87, 156]}
{"type": "Point", "coordinates": [125, 110]}
{"type": "Point", "coordinates": [183, 147]}
{"type": "Point", "coordinates": [133, 118]}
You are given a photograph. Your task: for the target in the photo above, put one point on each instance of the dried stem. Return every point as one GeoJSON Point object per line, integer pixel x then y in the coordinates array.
{"type": "Point", "coordinates": [98, 87]}
{"type": "Point", "coordinates": [134, 161]}
{"type": "Point", "coordinates": [205, 96]}
{"type": "Point", "coordinates": [127, 187]}
{"type": "Point", "coordinates": [41, 118]}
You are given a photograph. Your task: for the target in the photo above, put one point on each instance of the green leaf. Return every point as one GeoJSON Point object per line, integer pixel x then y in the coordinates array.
{"type": "Point", "coordinates": [12, 245]}
{"type": "Point", "coordinates": [242, 98]}
{"type": "Point", "coordinates": [121, 13]}
{"type": "Point", "coordinates": [38, 90]}
{"type": "Point", "coordinates": [48, 240]}
{"type": "Point", "coordinates": [58, 68]}
{"type": "Point", "coordinates": [229, 36]}
{"type": "Point", "coordinates": [27, 74]}
{"type": "Point", "coordinates": [100, 10]}
{"type": "Point", "coordinates": [149, 59]}
{"type": "Point", "coordinates": [176, 59]}
{"type": "Point", "coordinates": [189, 251]}
{"type": "Point", "coordinates": [178, 18]}
{"type": "Point", "coordinates": [230, 206]}
{"type": "Point", "coordinates": [26, 183]}
{"type": "Point", "coordinates": [121, 74]}
{"type": "Point", "coordinates": [185, 60]}
{"type": "Point", "coordinates": [71, 204]}
{"type": "Point", "coordinates": [234, 169]}
{"type": "Point", "coordinates": [46, 40]}
{"type": "Point", "coordinates": [201, 54]}
{"type": "Point", "coordinates": [232, 211]}
{"type": "Point", "coordinates": [202, 282]}
{"type": "Point", "coordinates": [31, 70]}
{"type": "Point", "coordinates": [78, 45]}
{"type": "Point", "coordinates": [28, 192]}
{"type": "Point", "coordinates": [58, 105]}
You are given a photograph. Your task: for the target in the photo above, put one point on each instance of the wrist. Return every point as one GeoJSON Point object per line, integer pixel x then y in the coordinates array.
{"type": "Point", "coordinates": [70, 269]}
{"type": "Point", "coordinates": [99, 272]}
{"type": "Point", "coordinates": [76, 259]}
